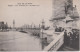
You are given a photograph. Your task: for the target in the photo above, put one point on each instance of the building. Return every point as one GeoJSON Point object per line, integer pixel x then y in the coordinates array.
{"type": "Point", "coordinates": [3, 26]}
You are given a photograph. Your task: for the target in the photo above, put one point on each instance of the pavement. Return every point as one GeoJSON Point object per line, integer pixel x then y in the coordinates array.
{"type": "Point", "coordinates": [67, 48]}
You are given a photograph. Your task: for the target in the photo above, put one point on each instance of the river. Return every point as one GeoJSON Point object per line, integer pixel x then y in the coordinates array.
{"type": "Point", "coordinates": [18, 41]}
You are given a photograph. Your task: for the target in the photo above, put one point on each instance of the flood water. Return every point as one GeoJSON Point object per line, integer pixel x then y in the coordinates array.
{"type": "Point", "coordinates": [17, 41]}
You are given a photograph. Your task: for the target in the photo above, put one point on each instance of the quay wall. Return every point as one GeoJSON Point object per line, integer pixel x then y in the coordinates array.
{"type": "Point", "coordinates": [31, 31]}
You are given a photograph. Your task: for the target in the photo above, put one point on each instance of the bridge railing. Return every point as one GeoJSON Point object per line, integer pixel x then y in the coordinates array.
{"type": "Point", "coordinates": [56, 43]}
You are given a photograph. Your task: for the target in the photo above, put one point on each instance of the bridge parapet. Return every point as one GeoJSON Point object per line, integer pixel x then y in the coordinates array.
{"type": "Point", "coordinates": [56, 43]}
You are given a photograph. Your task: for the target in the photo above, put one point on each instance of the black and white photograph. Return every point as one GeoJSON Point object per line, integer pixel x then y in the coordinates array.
{"type": "Point", "coordinates": [39, 25]}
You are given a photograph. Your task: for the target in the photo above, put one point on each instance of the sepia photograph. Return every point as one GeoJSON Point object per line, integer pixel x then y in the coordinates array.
{"type": "Point", "coordinates": [39, 25]}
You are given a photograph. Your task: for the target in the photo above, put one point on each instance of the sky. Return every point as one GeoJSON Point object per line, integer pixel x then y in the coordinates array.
{"type": "Point", "coordinates": [27, 14]}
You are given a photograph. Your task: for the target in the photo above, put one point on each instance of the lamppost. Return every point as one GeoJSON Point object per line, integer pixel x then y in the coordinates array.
{"type": "Point", "coordinates": [13, 24]}
{"type": "Point", "coordinates": [42, 28]}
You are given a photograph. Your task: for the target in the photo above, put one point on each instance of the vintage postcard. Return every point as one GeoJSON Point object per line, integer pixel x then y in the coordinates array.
{"type": "Point", "coordinates": [39, 25]}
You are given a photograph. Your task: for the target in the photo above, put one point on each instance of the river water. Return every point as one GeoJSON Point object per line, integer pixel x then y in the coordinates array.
{"type": "Point", "coordinates": [17, 41]}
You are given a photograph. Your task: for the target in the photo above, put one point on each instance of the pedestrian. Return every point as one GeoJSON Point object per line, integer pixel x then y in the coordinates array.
{"type": "Point", "coordinates": [65, 37]}
{"type": "Point", "coordinates": [70, 39]}
{"type": "Point", "coordinates": [74, 38]}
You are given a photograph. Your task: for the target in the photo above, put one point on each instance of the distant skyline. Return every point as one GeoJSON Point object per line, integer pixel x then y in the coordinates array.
{"type": "Point", "coordinates": [28, 14]}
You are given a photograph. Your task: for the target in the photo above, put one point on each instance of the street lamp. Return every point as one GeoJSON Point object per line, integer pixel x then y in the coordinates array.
{"type": "Point", "coordinates": [42, 28]}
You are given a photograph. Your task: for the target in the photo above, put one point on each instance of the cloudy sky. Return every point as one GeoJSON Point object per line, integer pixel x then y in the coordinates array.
{"type": "Point", "coordinates": [27, 14]}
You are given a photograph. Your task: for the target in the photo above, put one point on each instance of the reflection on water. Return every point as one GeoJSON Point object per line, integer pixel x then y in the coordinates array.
{"type": "Point", "coordinates": [17, 41]}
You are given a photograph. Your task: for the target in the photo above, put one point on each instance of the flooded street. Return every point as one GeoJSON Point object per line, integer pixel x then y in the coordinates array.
{"type": "Point", "coordinates": [17, 41]}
